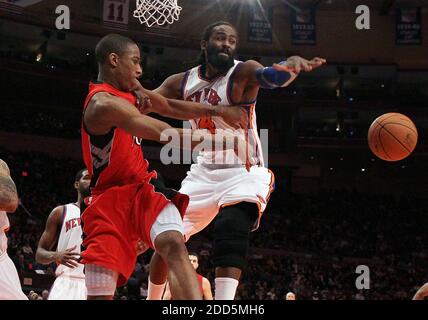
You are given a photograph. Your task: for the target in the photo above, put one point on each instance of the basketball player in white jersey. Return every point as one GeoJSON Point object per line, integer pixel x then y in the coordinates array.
{"type": "Point", "coordinates": [218, 185]}
{"type": "Point", "coordinates": [60, 243]}
{"type": "Point", "coordinates": [10, 286]}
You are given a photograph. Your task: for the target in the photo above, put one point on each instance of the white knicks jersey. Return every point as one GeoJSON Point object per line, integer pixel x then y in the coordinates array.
{"type": "Point", "coordinates": [4, 226]}
{"type": "Point", "coordinates": [217, 91]}
{"type": "Point", "coordinates": [70, 236]}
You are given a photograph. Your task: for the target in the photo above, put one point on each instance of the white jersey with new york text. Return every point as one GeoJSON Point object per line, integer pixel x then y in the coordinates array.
{"type": "Point", "coordinates": [217, 91]}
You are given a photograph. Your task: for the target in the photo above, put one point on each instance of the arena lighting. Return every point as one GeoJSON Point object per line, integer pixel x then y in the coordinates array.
{"type": "Point", "coordinates": [41, 52]}
{"type": "Point", "coordinates": [39, 57]}
{"type": "Point", "coordinates": [363, 169]}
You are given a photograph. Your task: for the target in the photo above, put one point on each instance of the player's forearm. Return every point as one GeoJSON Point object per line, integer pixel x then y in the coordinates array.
{"type": "Point", "coordinates": [185, 110]}
{"type": "Point", "coordinates": [44, 256]}
{"type": "Point", "coordinates": [197, 139]}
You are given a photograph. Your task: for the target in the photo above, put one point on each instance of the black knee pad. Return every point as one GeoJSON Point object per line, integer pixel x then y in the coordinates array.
{"type": "Point", "coordinates": [232, 229]}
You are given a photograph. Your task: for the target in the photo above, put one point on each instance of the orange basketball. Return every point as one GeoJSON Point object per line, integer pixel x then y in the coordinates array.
{"type": "Point", "coordinates": [392, 136]}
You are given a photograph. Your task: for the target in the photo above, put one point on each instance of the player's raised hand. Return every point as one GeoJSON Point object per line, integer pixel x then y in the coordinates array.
{"type": "Point", "coordinates": [297, 64]}
{"type": "Point", "coordinates": [143, 101]}
{"type": "Point", "coordinates": [244, 153]}
{"type": "Point", "coordinates": [68, 258]}
{"type": "Point", "coordinates": [234, 116]}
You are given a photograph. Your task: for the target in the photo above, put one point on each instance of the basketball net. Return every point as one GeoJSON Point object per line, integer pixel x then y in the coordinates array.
{"type": "Point", "coordinates": [160, 12]}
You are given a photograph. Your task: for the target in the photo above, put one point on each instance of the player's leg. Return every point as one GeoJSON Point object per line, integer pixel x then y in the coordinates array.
{"type": "Point", "coordinates": [157, 277]}
{"type": "Point", "coordinates": [231, 233]}
{"type": "Point", "coordinates": [200, 212]}
{"type": "Point", "coordinates": [167, 236]}
{"type": "Point", "coordinates": [100, 282]}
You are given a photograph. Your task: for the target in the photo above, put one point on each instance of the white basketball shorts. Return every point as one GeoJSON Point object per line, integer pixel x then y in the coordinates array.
{"type": "Point", "coordinates": [68, 288]}
{"type": "Point", "coordinates": [211, 189]}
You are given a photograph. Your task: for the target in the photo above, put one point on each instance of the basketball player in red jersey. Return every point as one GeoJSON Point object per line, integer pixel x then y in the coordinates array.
{"type": "Point", "coordinates": [239, 197]}
{"type": "Point", "coordinates": [204, 283]}
{"type": "Point", "coordinates": [125, 207]}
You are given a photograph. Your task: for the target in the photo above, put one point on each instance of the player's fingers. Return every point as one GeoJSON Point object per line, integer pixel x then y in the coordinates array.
{"type": "Point", "coordinates": [149, 103]}
{"type": "Point", "coordinates": [237, 125]}
{"type": "Point", "coordinates": [69, 265]}
{"type": "Point", "coordinates": [244, 118]}
{"type": "Point", "coordinates": [317, 62]}
{"type": "Point", "coordinates": [74, 256]}
{"type": "Point", "coordinates": [72, 263]}
{"type": "Point", "coordinates": [306, 66]}
{"type": "Point", "coordinates": [285, 68]}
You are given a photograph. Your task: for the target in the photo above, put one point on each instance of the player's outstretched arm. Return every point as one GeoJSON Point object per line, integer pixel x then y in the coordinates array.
{"type": "Point", "coordinates": [8, 193]}
{"type": "Point", "coordinates": [235, 116]}
{"type": "Point", "coordinates": [106, 111]}
{"type": "Point", "coordinates": [421, 293]}
{"type": "Point", "coordinates": [281, 74]}
{"type": "Point", "coordinates": [171, 87]}
{"type": "Point", "coordinates": [45, 253]}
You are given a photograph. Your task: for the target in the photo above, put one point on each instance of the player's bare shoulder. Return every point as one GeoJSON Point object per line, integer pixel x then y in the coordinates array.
{"type": "Point", "coordinates": [97, 113]}
{"type": "Point", "coordinates": [57, 213]}
{"type": "Point", "coordinates": [248, 68]}
{"type": "Point", "coordinates": [245, 73]}
{"type": "Point", "coordinates": [98, 102]}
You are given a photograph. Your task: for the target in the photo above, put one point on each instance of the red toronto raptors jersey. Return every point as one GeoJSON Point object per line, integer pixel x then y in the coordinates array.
{"type": "Point", "coordinates": [116, 158]}
{"type": "Point", "coordinates": [200, 280]}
